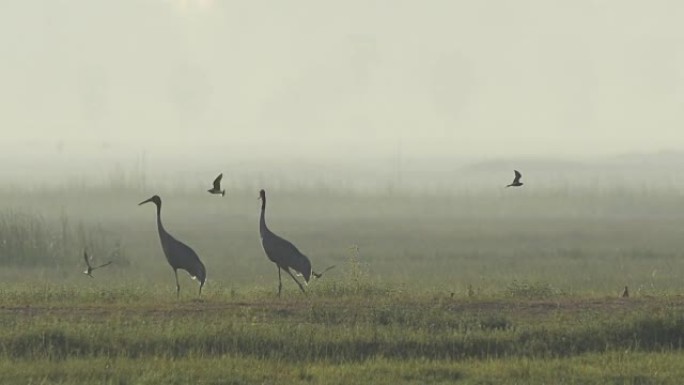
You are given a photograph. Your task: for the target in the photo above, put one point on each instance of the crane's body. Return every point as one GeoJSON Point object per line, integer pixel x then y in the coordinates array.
{"type": "Point", "coordinates": [283, 253]}
{"type": "Point", "coordinates": [216, 189]}
{"type": "Point", "coordinates": [178, 254]}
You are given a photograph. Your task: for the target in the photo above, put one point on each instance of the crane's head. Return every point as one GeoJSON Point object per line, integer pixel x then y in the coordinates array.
{"type": "Point", "coordinates": [201, 276]}
{"type": "Point", "coordinates": [262, 194]}
{"type": "Point", "coordinates": [199, 273]}
{"type": "Point", "coordinates": [156, 199]}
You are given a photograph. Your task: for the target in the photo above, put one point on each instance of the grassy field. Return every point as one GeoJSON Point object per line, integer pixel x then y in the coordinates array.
{"type": "Point", "coordinates": [518, 287]}
{"type": "Point", "coordinates": [336, 335]}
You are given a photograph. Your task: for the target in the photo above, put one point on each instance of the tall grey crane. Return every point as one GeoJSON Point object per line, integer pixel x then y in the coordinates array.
{"type": "Point", "coordinates": [283, 253]}
{"type": "Point", "coordinates": [178, 254]}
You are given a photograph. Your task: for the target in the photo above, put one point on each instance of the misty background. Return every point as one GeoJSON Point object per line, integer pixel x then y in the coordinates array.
{"type": "Point", "coordinates": [354, 93]}
{"type": "Point", "coordinates": [391, 125]}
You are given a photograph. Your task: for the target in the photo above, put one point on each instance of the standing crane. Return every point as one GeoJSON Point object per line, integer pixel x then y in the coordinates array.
{"type": "Point", "coordinates": [178, 254]}
{"type": "Point", "coordinates": [283, 253]}
{"type": "Point", "coordinates": [216, 189]}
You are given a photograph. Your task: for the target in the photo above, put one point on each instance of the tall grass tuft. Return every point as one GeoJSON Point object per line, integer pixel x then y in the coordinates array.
{"type": "Point", "coordinates": [28, 240]}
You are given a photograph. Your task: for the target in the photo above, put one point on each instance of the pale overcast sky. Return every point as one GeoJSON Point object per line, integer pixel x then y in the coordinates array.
{"type": "Point", "coordinates": [485, 78]}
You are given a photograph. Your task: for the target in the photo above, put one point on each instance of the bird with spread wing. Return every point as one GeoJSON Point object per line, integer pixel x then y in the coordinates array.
{"type": "Point", "coordinates": [516, 180]}
{"type": "Point", "coordinates": [91, 268]}
{"type": "Point", "coordinates": [217, 186]}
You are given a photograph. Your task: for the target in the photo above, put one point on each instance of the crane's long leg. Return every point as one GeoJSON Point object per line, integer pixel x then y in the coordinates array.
{"type": "Point", "coordinates": [280, 281]}
{"type": "Point", "coordinates": [295, 279]}
{"type": "Point", "coordinates": [175, 272]}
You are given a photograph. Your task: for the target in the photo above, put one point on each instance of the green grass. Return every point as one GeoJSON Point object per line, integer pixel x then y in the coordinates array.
{"type": "Point", "coordinates": [475, 289]}
{"type": "Point", "coordinates": [612, 368]}
{"type": "Point", "coordinates": [130, 335]}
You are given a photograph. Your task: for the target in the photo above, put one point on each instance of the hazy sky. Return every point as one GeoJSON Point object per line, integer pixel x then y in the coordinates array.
{"type": "Point", "coordinates": [486, 78]}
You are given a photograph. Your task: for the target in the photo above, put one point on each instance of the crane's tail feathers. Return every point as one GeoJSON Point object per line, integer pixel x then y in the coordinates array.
{"type": "Point", "coordinates": [319, 275]}
{"type": "Point", "coordinates": [298, 274]}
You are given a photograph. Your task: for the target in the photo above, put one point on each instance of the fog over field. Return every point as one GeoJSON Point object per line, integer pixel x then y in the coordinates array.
{"type": "Point", "coordinates": [352, 103]}
{"type": "Point", "coordinates": [384, 133]}
{"type": "Point", "coordinates": [272, 87]}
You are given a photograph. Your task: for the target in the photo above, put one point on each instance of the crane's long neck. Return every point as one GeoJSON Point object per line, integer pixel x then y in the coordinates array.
{"type": "Point", "coordinates": [262, 220]}
{"type": "Point", "coordinates": [164, 237]}
{"type": "Point", "coordinates": [160, 227]}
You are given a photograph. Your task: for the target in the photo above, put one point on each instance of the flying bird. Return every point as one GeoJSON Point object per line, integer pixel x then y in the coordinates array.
{"type": "Point", "coordinates": [319, 275]}
{"type": "Point", "coordinates": [516, 180]}
{"type": "Point", "coordinates": [283, 253]}
{"type": "Point", "coordinates": [217, 186]}
{"type": "Point", "coordinates": [178, 254]}
{"type": "Point", "coordinates": [89, 270]}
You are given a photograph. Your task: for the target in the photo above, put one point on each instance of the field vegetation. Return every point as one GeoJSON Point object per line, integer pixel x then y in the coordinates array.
{"type": "Point", "coordinates": [503, 286]}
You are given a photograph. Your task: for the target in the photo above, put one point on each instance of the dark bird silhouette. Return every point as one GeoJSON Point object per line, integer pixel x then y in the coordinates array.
{"type": "Point", "coordinates": [283, 253]}
{"type": "Point", "coordinates": [516, 180]}
{"type": "Point", "coordinates": [217, 186]}
{"type": "Point", "coordinates": [625, 293]}
{"type": "Point", "coordinates": [319, 275]}
{"type": "Point", "coordinates": [90, 269]}
{"type": "Point", "coordinates": [178, 254]}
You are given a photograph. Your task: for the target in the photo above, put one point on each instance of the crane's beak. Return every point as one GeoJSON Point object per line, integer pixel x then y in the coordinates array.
{"type": "Point", "coordinates": [143, 202]}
